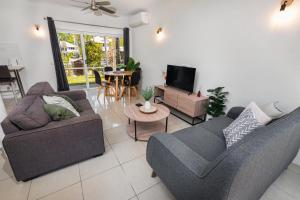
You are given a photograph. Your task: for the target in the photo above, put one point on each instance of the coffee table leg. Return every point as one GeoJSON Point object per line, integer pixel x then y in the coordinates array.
{"type": "Point", "coordinates": [167, 124]}
{"type": "Point", "coordinates": [135, 138]}
{"type": "Point", "coordinates": [128, 120]}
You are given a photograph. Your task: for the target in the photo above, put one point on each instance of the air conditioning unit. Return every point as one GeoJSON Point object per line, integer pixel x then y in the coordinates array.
{"type": "Point", "coordinates": [139, 19]}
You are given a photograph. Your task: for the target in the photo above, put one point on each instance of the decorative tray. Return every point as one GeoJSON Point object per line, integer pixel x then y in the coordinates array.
{"type": "Point", "coordinates": [153, 109]}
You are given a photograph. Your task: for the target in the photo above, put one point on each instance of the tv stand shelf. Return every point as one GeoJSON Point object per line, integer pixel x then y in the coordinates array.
{"type": "Point", "coordinates": [187, 103]}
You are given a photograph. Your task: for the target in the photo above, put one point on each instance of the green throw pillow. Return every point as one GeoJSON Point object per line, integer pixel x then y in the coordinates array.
{"type": "Point", "coordinates": [68, 99]}
{"type": "Point", "coordinates": [58, 113]}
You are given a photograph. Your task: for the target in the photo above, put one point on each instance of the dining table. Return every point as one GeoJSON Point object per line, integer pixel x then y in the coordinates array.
{"type": "Point", "coordinates": [16, 71]}
{"type": "Point", "coordinates": [116, 75]}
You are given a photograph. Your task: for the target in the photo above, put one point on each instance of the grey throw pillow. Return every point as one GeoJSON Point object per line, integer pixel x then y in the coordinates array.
{"type": "Point", "coordinates": [29, 114]}
{"type": "Point", "coordinates": [242, 126]}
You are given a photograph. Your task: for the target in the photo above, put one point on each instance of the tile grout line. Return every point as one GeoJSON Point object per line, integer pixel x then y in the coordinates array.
{"type": "Point", "coordinates": [29, 190]}
{"type": "Point", "coordinates": [148, 188]}
{"type": "Point", "coordinates": [61, 189]}
{"type": "Point", "coordinates": [80, 182]}
{"type": "Point", "coordinates": [135, 194]}
{"type": "Point", "coordinates": [276, 185]}
{"type": "Point", "coordinates": [99, 173]}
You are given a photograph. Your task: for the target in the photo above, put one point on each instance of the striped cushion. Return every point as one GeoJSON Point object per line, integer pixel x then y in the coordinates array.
{"type": "Point", "coordinates": [242, 126]}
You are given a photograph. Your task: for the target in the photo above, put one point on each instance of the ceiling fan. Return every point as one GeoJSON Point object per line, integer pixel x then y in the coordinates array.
{"type": "Point", "coordinates": [98, 7]}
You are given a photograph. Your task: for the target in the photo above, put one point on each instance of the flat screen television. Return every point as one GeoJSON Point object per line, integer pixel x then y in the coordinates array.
{"type": "Point", "coordinates": [181, 77]}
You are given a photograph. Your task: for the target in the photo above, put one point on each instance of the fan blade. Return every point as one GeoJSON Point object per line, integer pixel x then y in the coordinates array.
{"type": "Point", "coordinates": [89, 7]}
{"type": "Point", "coordinates": [109, 10]}
{"type": "Point", "coordinates": [80, 2]}
{"type": "Point", "coordinates": [103, 3]}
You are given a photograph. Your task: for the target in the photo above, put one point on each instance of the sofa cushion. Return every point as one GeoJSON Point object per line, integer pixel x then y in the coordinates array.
{"type": "Point", "coordinates": [202, 141]}
{"type": "Point", "coordinates": [85, 107]}
{"type": "Point", "coordinates": [245, 124]}
{"type": "Point", "coordinates": [41, 88]}
{"type": "Point", "coordinates": [29, 113]}
{"type": "Point", "coordinates": [216, 125]}
{"type": "Point", "coordinates": [60, 101]}
{"type": "Point", "coordinates": [58, 113]}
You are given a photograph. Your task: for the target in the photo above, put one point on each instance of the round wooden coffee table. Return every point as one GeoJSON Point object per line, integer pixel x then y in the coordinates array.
{"type": "Point", "coordinates": [149, 124]}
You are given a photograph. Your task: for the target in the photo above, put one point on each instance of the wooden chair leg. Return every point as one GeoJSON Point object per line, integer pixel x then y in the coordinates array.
{"type": "Point", "coordinates": [14, 92]}
{"type": "Point", "coordinates": [99, 91]}
{"type": "Point", "coordinates": [136, 91]}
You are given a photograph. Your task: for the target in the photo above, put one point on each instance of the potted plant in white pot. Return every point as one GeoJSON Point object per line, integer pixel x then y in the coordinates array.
{"type": "Point", "coordinates": [148, 94]}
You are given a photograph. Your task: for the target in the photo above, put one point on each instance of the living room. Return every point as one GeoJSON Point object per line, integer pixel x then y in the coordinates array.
{"type": "Point", "coordinates": [129, 71]}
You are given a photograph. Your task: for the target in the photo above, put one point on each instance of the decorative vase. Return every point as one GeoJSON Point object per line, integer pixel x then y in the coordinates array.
{"type": "Point", "coordinates": [147, 105]}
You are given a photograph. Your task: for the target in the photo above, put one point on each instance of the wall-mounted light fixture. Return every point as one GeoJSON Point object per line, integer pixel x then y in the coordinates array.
{"type": "Point", "coordinates": [286, 16]}
{"type": "Point", "coordinates": [159, 30]}
{"type": "Point", "coordinates": [159, 34]}
{"type": "Point", "coordinates": [38, 31]}
{"type": "Point", "coordinates": [285, 4]}
{"type": "Point", "coordinates": [37, 27]}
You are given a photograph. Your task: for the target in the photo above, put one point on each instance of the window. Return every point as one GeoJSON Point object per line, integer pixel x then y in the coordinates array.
{"type": "Point", "coordinates": [83, 53]}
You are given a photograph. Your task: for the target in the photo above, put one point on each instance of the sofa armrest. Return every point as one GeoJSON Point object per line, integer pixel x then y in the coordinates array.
{"type": "Point", "coordinates": [234, 112]}
{"type": "Point", "coordinates": [74, 94]}
{"type": "Point", "coordinates": [166, 151]}
{"type": "Point", "coordinates": [36, 152]}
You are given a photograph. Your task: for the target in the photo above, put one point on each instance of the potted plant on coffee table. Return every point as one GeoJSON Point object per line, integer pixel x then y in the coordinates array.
{"type": "Point", "coordinates": [148, 93]}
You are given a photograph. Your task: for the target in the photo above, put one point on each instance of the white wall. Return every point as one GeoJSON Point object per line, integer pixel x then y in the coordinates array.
{"type": "Point", "coordinates": [232, 43]}
{"type": "Point", "coordinates": [17, 19]}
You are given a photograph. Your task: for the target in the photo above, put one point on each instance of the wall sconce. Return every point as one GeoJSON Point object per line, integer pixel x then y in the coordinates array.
{"type": "Point", "coordinates": [38, 32]}
{"type": "Point", "coordinates": [285, 3]}
{"type": "Point", "coordinates": [159, 30]}
{"type": "Point", "coordinates": [37, 27]}
{"type": "Point", "coordinates": [160, 34]}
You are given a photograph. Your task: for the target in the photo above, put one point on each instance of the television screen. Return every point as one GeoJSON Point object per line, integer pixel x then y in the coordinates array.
{"type": "Point", "coordinates": [181, 77]}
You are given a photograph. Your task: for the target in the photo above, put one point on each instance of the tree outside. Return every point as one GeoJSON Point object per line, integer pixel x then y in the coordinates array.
{"type": "Point", "coordinates": [71, 52]}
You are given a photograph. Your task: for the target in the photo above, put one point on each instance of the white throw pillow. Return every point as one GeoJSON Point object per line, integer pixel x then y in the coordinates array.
{"type": "Point", "coordinates": [272, 110]}
{"type": "Point", "coordinates": [261, 117]}
{"type": "Point", "coordinates": [239, 128]}
{"type": "Point", "coordinates": [56, 100]}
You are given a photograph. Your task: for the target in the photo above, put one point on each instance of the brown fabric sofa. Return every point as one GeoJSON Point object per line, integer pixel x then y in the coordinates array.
{"type": "Point", "coordinates": [35, 145]}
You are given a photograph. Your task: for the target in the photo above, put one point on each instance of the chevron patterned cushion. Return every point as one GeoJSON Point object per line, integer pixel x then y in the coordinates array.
{"type": "Point", "coordinates": [242, 126]}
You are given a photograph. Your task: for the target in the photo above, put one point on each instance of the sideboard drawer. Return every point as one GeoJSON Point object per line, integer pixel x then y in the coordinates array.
{"type": "Point", "coordinates": [171, 99]}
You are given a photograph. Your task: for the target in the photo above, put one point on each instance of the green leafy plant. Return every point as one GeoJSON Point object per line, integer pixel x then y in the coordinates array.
{"type": "Point", "coordinates": [217, 100]}
{"type": "Point", "coordinates": [133, 65]}
{"type": "Point", "coordinates": [148, 93]}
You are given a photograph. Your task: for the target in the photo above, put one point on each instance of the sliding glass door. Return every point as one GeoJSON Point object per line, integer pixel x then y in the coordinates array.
{"type": "Point", "coordinates": [83, 53]}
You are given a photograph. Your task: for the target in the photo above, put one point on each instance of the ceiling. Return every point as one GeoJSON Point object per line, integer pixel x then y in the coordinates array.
{"type": "Point", "coordinates": [124, 7]}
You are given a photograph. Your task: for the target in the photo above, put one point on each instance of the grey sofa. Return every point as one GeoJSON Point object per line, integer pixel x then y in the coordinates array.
{"type": "Point", "coordinates": [35, 145]}
{"type": "Point", "coordinates": [195, 164]}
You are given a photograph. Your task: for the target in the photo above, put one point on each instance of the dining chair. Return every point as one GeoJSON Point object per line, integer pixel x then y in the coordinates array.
{"type": "Point", "coordinates": [108, 78]}
{"type": "Point", "coordinates": [102, 85]}
{"type": "Point", "coordinates": [132, 84]}
{"type": "Point", "coordinates": [7, 79]}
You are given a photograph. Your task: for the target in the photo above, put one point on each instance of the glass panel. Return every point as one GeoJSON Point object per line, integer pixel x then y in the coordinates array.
{"type": "Point", "coordinates": [121, 50]}
{"type": "Point", "coordinates": [71, 53]}
{"type": "Point", "coordinates": [100, 51]}
{"type": "Point", "coordinates": [115, 51]}
{"type": "Point", "coordinates": [95, 55]}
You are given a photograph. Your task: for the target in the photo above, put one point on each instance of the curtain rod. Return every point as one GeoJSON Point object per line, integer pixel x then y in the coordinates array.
{"type": "Point", "coordinates": [70, 22]}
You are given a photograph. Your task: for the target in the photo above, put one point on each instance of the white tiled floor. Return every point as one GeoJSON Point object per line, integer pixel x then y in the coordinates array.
{"type": "Point", "coordinates": [122, 173]}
